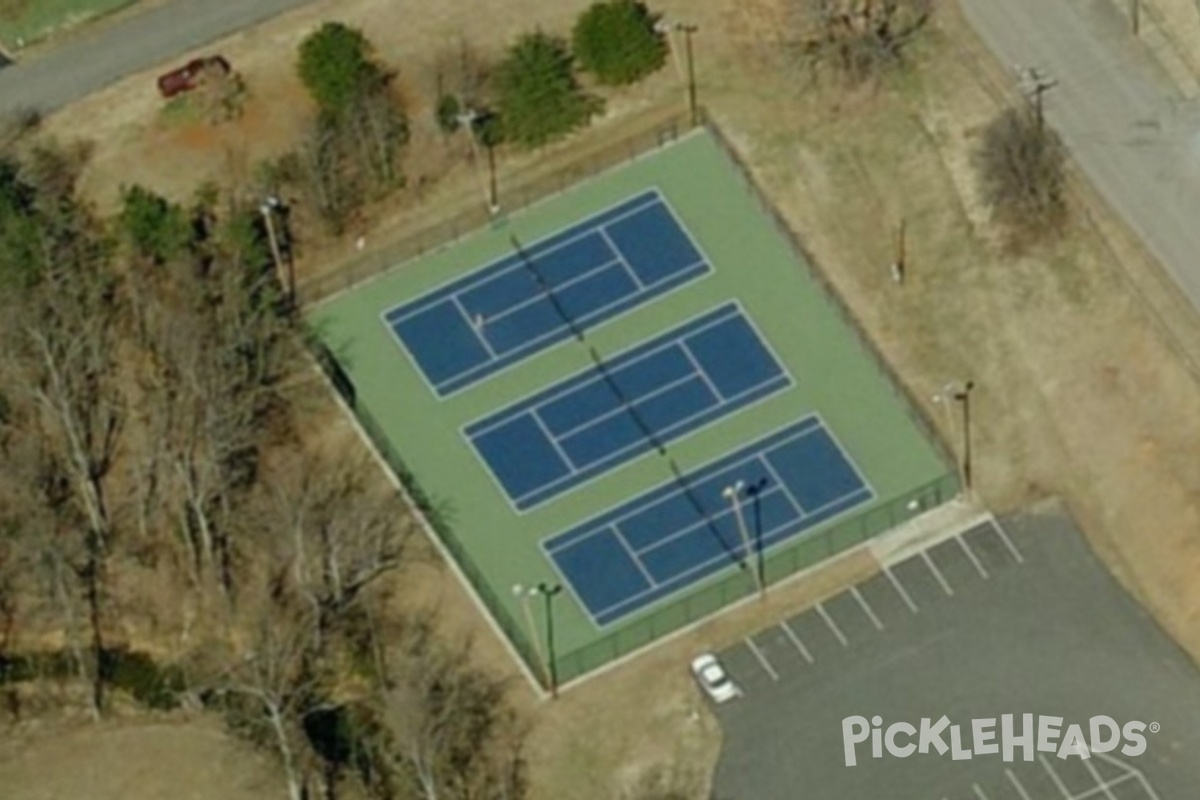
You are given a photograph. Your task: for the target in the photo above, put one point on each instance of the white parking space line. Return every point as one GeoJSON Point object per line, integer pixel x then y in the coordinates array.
{"type": "Point", "coordinates": [1054, 777]}
{"type": "Point", "coordinates": [862, 602]}
{"type": "Point", "coordinates": [1017, 784]}
{"type": "Point", "coordinates": [1103, 785]}
{"type": "Point", "coordinates": [1131, 772]}
{"type": "Point", "coordinates": [841, 637]}
{"type": "Point", "coordinates": [766, 665]}
{"type": "Point", "coordinates": [900, 590]}
{"type": "Point", "coordinates": [796, 641]}
{"type": "Point", "coordinates": [1012, 548]}
{"type": "Point", "coordinates": [979, 792]}
{"type": "Point", "coordinates": [937, 573]}
{"type": "Point", "coordinates": [971, 555]}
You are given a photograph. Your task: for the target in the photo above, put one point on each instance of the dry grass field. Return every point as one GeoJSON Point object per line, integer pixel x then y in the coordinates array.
{"type": "Point", "coordinates": [1081, 393]}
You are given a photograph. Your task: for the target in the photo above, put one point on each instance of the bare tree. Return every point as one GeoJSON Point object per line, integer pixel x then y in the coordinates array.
{"type": "Point", "coordinates": [1021, 171]}
{"type": "Point", "coordinates": [451, 733]}
{"type": "Point", "coordinates": [269, 691]}
{"type": "Point", "coordinates": [857, 38]}
{"type": "Point", "coordinates": [335, 534]}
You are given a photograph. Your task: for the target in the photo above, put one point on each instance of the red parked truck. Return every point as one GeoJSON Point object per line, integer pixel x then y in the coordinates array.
{"type": "Point", "coordinates": [191, 75]}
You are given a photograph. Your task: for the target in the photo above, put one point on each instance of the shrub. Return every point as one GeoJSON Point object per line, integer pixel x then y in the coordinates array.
{"type": "Point", "coordinates": [1020, 167]}
{"type": "Point", "coordinates": [615, 40]}
{"type": "Point", "coordinates": [539, 98]}
{"type": "Point", "coordinates": [336, 68]}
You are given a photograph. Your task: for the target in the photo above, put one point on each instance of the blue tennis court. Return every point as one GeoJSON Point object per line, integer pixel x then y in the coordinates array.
{"type": "Point", "coordinates": [499, 314]}
{"type": "Point", "coordinates": [658, 391]}
{"type": "Point", "coordinates": [683, 531]}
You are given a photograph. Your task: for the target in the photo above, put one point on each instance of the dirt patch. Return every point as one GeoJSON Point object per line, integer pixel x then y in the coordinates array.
{"type": "Point", "coordinates": [131, 761]}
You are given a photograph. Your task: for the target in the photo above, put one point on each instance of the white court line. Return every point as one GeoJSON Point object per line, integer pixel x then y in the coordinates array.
{"type": "Point", "coordinates": [979, 792]}
{"type": "Point", "coordinates": [475, 278]}
{"type": "Point", "coordinates": [1054, 777]}
{"type": "Point", "coordinates": [554, 443]}
{"type": "Point", "coordinates": [862, 601]}
{"type": "Point", "coordinates": [1012, 548]}
{"type": "Point", "coordinates": [841, 637]}
{"type": "Point", "coordinates": [633, 557]}
{"type": "Point", "coordinates": [620, 256]}
{"type": "Point", "coordinates": [477, 330]}
{"type": "Point", "coordinates": [1017, 784]}
{"type": "Point", "coordinates": [762, 659]}
{"type": "Point", "coordinates": [937, 573]}
{"type": "Point", "coordinates": [687, 351]}
{"type": "Point", "coordinates": [900, 590]}
{"type": "Point", "coordinates": [971, 555]}
{"type": "Point", "coordinates": [796, 641]}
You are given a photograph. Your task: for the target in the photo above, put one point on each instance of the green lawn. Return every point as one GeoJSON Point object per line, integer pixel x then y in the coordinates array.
{"type": "Point", "coordinates": [31, 20]}
{"type": "Point", "coordinates": [754, 264]}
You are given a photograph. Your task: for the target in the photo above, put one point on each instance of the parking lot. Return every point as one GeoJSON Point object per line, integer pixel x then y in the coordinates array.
{"type": "Point", "coordinates": [1013, 617]}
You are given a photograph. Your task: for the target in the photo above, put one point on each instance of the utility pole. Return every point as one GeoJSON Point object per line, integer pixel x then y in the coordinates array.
{"type": "Point", "coordinates": [1135, 16]}
{"type": "Point", "coordinates": [1034, 84]}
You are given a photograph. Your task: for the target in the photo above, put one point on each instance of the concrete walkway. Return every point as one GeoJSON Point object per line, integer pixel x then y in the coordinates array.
{"type": "Point", "coordinates": [1130, 127]}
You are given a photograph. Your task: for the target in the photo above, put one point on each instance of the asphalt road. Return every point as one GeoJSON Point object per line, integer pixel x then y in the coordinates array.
{"type": "Point", "coordinates": [1019, 620]}
{"type": "Point", "coordinates": [94, 60]}
{"type": "Point", "coordinates": [1132, 132]}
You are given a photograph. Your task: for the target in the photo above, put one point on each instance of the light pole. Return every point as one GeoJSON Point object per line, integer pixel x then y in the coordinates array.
{"type": "Point", "coordinates": [963, 397]}
{"type": "Point", "coordinates": [523, 594]}
{"type": "Point", "coordinates": [268, 208]}
{"type": "Point", "coordinates": [468, 118]}
{"type": "Point", "coordinates": [754, 492]}
{"type": "Point", "coordinates": [548, 592]}
{"type": "Point", "coordinates": [733, 494]}
{"type": "Point", "coordinates": [665, 27]}
{"type": "Point", "coordinates": [959, 392]}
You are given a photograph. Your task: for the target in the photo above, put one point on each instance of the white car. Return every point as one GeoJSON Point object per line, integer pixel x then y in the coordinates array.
{"type": "Point", "coordinates": [713, 679]}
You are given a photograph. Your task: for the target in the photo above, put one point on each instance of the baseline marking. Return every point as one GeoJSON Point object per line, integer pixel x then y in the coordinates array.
{"type": "Point", "coordinates": [971, 555]}
{"type": "Point", "coordinates": [841, 637]}
{"type": "Point", "coordinates": [862, 602]}
{"type": "Point", "coordinates": [900, 590]}
{"type": "Point", "coordinates": [796, 641]}
{"type": "Point", "coordinates": [762, 659]}
{"type": "Point", "coordinates": [937, 573]}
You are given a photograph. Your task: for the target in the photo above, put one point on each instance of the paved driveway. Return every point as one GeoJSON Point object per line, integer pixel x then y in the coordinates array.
{"type": "Point", "coordinates": [1131, 131]}
{"type": "Point", "coordinates": [92, 61]}
{"type": "Point", "coordinates": [1019, 620]}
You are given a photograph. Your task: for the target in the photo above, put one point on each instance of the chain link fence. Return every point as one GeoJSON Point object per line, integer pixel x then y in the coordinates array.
{"type": "Point", "coordinates": [699, 602]}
